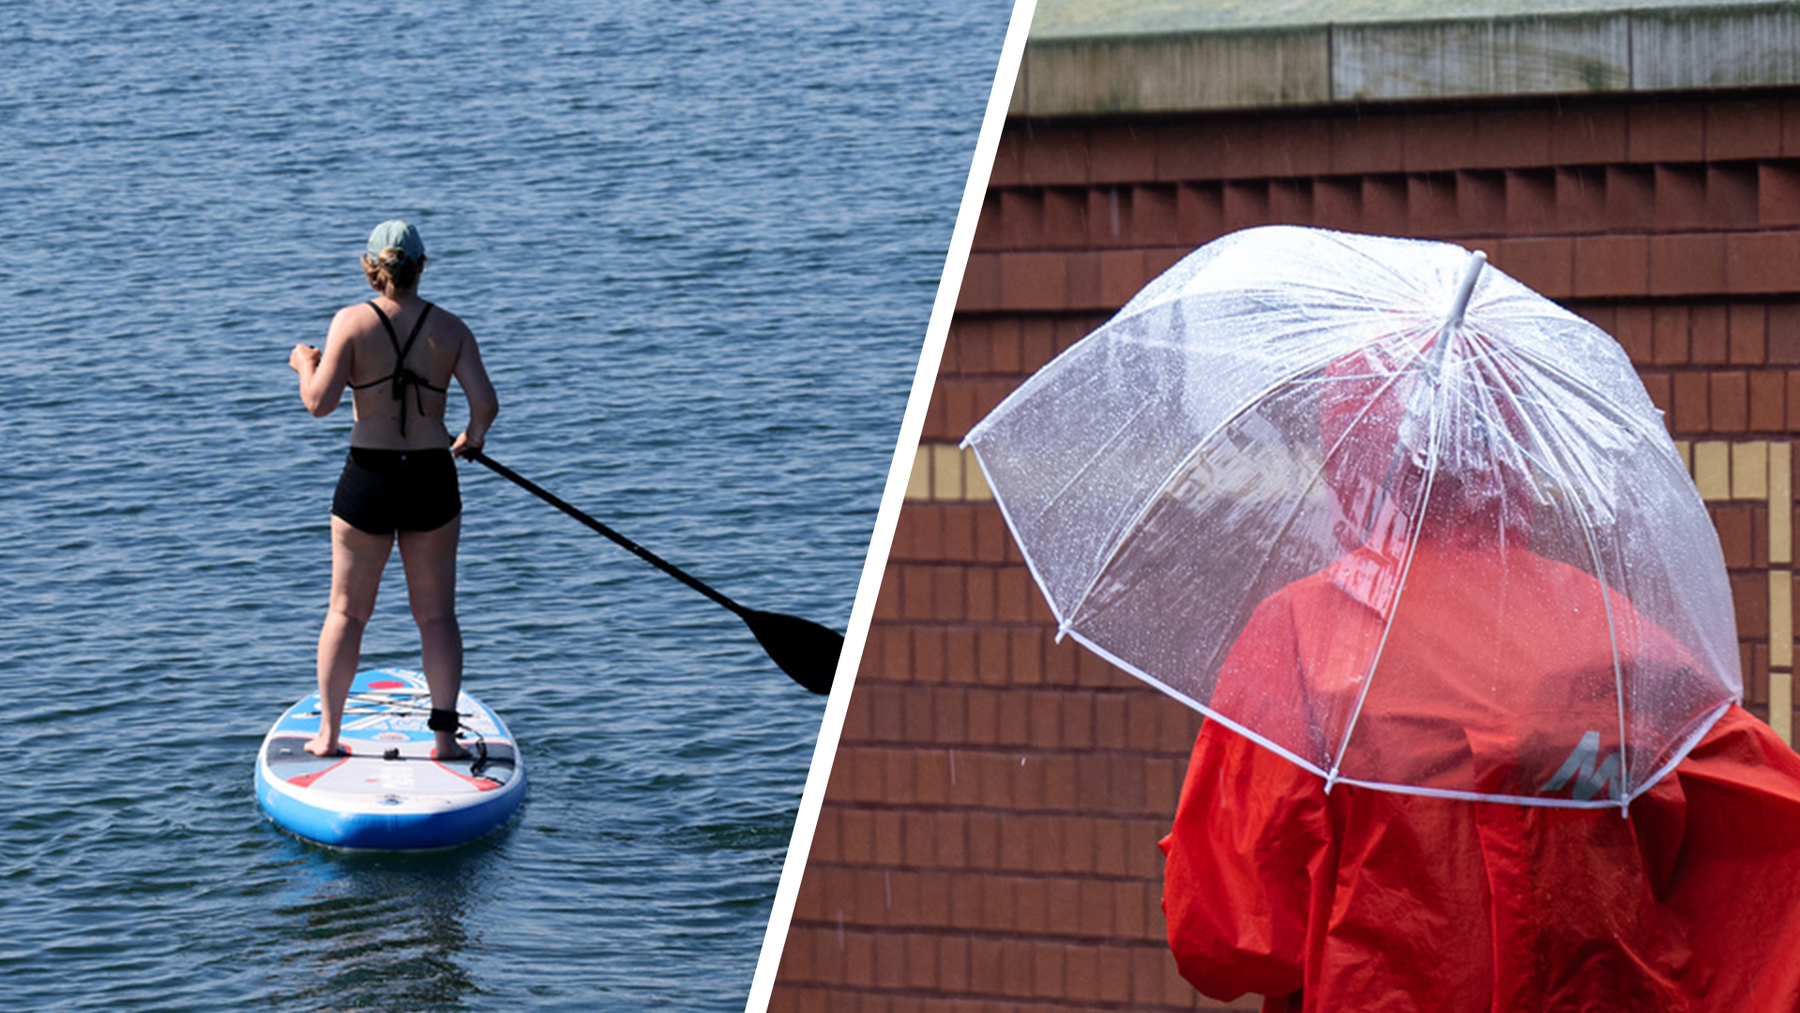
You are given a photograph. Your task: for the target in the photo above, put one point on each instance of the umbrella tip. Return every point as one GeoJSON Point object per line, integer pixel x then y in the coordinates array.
{"type": "Point", "coordinates": [1466, 289]}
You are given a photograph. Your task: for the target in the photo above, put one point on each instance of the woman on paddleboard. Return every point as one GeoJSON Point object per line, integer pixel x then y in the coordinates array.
{"type": "Point", "coordinates": [397, 353]}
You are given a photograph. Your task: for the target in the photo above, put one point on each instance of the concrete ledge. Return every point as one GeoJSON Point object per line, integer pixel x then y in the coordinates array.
{"type": "Point", "coordinates": [1171, 73]}
{"type": "Point", "coordinates": [1716, 47]}
{"type": "Point", "coordinates": [1168, 69]}
{"type": "Point", "coordinates": [1462, 59]}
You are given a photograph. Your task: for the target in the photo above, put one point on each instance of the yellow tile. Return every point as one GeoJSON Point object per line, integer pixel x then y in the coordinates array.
{"type": "Point", "coordinates": [1781, 503]}
{"type": "Point", "coordinates": [974, 482]}
{"type": "Point", "coordinates": [1781, 705]}
{"type": "Point", "coordinates": [1750, 470]}
{"type": "Point", "coordinates": [1781, 618]}
{"type": "Point", "coordinates": [1686, 450]}
{"type": "Point", "coordinates": [918, 483]}
{"type": "Point", "coordinates": [1712, 469]}
{"type": "Point", "coordinates": [946, 472]}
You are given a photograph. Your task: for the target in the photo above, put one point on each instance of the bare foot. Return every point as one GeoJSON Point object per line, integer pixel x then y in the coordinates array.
{"type": "Point", "coordinates": [322, 747]}
{"type": "Point", "coordinates": [451, 750]}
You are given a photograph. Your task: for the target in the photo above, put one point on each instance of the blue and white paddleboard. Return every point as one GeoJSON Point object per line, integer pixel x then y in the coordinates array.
{"type": "Point", "coordinates": [389, 792]}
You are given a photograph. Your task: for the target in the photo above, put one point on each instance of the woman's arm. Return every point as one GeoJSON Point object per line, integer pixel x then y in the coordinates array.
{"type": "Point", "coordinates": [323, 374]}
{"type": "Point", "coordinates": [1250, 833]}
{"type": "Point", "coordinates": [484, 403]}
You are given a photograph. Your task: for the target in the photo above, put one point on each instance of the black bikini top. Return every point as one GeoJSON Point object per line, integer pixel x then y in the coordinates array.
{"type": "Point", "coordinates": [402, 377]}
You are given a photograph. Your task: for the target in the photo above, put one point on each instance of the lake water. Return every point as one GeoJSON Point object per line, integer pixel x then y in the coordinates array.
{"type": "Point", "coordinates": [699, 242]}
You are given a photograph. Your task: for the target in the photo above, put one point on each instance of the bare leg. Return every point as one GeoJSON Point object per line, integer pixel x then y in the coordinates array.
{"type": "Point", "coordinates": [357, 559]}
{"type": "Point", "coordinates": [430, 560]}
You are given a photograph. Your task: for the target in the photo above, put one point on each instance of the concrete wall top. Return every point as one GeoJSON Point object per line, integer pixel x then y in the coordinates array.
{"type": "Point", "coordinates": [1108, 57]}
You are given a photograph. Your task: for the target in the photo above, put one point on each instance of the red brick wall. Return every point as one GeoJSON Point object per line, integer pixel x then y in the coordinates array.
{"type": "Point", "coordinates": [988, 838]}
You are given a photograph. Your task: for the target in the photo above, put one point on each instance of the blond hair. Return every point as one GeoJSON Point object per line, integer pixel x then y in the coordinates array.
{"type": "Point", "coordinates": [393, 271]}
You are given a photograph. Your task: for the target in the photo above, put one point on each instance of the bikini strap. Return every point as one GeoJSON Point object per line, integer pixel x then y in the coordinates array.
{"type": "Point", "coordinates": [401, 350]}
{"type": "Point", "coordinates": [388, 326]}
{"type": "Point", "coordinates": [402, 377]}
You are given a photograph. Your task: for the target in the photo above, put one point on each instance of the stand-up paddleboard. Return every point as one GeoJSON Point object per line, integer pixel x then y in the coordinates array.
{"type": "Point", "coordinates": [388, 791]}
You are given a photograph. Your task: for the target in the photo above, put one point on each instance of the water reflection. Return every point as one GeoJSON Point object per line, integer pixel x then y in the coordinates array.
{"type": "Point", "coordinates": [385, 931]}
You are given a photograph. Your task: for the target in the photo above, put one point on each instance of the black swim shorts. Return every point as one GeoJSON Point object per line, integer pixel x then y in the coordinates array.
{"type": "Point", "coordinates": [382, 491]}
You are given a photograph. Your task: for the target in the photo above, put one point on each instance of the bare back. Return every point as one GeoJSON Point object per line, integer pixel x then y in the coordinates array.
{"type": "Point", "coordinates": [361, 357]}
{"type": "Point", "coordinates": [433, 357]}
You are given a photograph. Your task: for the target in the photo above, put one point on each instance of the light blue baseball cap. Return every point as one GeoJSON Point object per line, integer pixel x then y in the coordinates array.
{"type": "Point", "coordinates": [396, 234]}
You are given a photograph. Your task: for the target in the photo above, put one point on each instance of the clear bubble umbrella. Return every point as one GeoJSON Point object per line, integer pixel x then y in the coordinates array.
{"type": "Point", "coordinates": [1383, 510]}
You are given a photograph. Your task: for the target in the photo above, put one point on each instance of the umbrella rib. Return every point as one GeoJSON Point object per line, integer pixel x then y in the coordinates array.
{"type": "Point", "coordinates": [1412, 546]}
{"type": "Point", "coordinates": [1593, 397]}
{"type": "Point", "coordinates": [1063, 623]}
{"type": "Point", "coordinates": [1362, 694]}
{"type": "Point", "coordinates": [1118, 543]}
{"type": "Point", "coordinates": [1211, 714]}
{"type": "Point", "coordinates": [1612, 634]}
{"type": "Point", "coordinates": [1162, 488]}
{"type": "Point", "coordinates": [1030, 560]}
{"type": "Point", "coordinates": [1579, 505]}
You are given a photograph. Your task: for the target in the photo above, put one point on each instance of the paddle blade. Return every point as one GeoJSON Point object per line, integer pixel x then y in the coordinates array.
{"type": "Point", "coordinates": [803, 649]}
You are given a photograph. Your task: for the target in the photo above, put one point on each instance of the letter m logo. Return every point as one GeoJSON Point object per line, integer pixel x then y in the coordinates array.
{"type": "Point", "coordinates": [1585, 768]}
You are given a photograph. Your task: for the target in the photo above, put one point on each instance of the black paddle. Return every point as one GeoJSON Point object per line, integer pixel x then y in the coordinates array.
{"type": "Point", "coordinates": [803, 649]}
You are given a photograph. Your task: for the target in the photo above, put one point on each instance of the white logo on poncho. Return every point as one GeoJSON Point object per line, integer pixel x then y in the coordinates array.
{"type": "Point", "coordinates": [1584, 766]}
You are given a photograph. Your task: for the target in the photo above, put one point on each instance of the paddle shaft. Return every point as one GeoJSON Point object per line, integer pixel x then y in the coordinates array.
{"type": "Point", "coordinates": [805, 650]}
{"type": "Point", "coordinates": [637, 550]}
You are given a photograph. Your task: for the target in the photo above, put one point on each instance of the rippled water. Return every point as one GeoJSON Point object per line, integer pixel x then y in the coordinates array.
{"type": "Point", "coordinates": [699, 242]}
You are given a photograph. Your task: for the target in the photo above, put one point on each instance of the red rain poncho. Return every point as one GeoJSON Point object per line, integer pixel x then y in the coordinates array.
{"type": "Point", "coordinates": [1368, 900]}
{"type": "Point", "coordinates": [1363, 899]}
